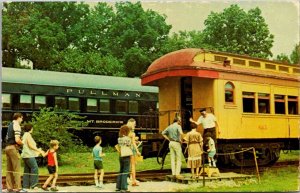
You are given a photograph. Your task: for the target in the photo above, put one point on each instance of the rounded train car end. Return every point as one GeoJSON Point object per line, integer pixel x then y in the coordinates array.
{"type": "Point", "coordinates": [256, 101]}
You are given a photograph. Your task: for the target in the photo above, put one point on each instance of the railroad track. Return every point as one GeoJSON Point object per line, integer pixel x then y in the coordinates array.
{"type": "Point", "coordinates": [109, 177]}
{"type": "Point", "coordinates": [150, 175]}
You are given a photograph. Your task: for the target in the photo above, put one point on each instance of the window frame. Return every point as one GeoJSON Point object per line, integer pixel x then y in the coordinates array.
{"type": "Point", "coordinates": [232, 91]}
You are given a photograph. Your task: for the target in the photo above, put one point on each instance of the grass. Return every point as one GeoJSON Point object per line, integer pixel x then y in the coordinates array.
{"type": "Point", "coordinates": [83, 163]}
{"type": "Point", "coordinates": [273, 180]}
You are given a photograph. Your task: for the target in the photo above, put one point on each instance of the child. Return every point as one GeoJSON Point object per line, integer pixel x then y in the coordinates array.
{"type": "Point", "coordinates": [52, 166]}
{"type": "Point", "coordinates": [211, 150]}
{"type": "Point", "coordinates": [98, 165]}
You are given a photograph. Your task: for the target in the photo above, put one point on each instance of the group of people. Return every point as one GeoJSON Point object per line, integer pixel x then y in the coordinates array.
{"type": "Point", "coordinates": [173, 133]}
{"type": "Point", "coordinates": [127, 139]}
{"type": "Point", "coordinates": [15, 142]}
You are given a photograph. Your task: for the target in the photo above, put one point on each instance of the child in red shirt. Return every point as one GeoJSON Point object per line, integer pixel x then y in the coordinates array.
{"type": "Point", "coordinates": [52, 166]}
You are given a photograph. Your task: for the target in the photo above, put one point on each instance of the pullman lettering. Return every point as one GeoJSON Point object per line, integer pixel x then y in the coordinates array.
{"type": "Point", "coordinates": [108, 93]}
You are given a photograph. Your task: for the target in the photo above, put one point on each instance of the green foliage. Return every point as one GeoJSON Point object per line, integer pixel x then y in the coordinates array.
{"type": "Point", "coordinates": [185, 39]}
{"type": "Point", "coordinates": [295, 56]}
{"type": "Point", "coordinates": [237, 31]}
{"type": "Point", "coordinates": [54, 123]}
{"type": "Point", "coordinates": [136, 36]}
{"type": "Point", "coordinates": [283, 58]}
{"type": "Point", "coordinates": [71, 36]}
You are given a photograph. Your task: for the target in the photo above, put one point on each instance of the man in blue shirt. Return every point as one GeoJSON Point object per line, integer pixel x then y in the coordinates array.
{"type": "Point", "coordinates": [173, 134]}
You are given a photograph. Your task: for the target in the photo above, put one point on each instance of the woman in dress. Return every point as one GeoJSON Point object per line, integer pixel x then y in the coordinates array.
{"type": "Point", "coordinates": [195, 144]}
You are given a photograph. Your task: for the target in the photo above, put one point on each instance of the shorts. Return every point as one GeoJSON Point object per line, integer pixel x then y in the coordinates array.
{"type": "Point", "coordinates": [211, 153]}
{"type": "Point", "coordinates": [98, 165]}
{"type": "Point", "coordinates": [51, 169]}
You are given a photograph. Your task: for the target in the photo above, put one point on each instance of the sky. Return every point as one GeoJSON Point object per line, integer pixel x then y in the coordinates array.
{"type": "Point", "coordinates": [281, 16]}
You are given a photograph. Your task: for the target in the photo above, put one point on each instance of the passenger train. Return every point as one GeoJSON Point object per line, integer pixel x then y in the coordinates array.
{"type": "Point", "coordinates": [256, 101]}
{"type": "Point", "coordinates": [106, 101]}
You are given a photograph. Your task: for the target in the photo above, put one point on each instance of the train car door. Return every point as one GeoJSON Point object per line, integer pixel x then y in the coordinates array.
{"type": "Point", "coordinates": [186, 102]}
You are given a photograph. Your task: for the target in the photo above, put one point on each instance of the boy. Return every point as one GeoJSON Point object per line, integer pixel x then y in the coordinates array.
{"type": "Point", "coordinates": [211, 150]}
{"type": "Point", "coordinates": [52, 166]}
{"type": "Point", "coordinates": [98, 165]}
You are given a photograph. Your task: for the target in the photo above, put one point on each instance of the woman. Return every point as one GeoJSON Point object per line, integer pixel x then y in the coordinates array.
{"type": "Point", "coordinates": [131, 123]}
{"type": "Point", "coordinates": [123, 141]}
{"type": "Point", "coordinates": [195, 143]}
{"type": "Point", "coordinates": [29, 152]}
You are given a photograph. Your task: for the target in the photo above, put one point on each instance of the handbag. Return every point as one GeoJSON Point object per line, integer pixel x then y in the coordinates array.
{"type": "Point", "coordinates": [126, 151]}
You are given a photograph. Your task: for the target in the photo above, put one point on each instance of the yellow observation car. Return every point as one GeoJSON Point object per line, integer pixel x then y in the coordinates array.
{"type": "Point", "coordinates": [256, 101]}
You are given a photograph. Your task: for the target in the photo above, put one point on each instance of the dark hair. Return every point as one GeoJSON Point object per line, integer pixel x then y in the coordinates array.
{"type": "Point", "coordinates": [124, 131]}
{"type": "Point", "coordinates": [97, 139]}
{"type": "Point", "coordinates": [202, 109]}
{"type": "Point", "coordinates": [193, 125]}
{"type": "Point", "coordinates": [27, 127]}
{"type": "Point", "coordinates": [208, 134]}
{"type": "Point", "coordinates": [17, 115]}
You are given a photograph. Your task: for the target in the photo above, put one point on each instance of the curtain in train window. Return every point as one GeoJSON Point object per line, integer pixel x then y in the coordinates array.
{"type": "Point", "coordinates": [121, 106]}
{"type": "Point", "coordinates": [293, 105]}
{"type": "Point", "coordinates": [105, 105]}
{"type": "Point", "coordinates": [263, 103]}
{"type": "Point", "coordinates": [229, 92]}
{"type": "Point", "coordinates": [25, 101]}
{"type": "Point", "coordinates": [61, 102]}
{"type": "Point", "coordinates": [133, 107]}
{"type": "Point", "coordinates": [6, 98]}
{"type": "Point", "coordinates": [248, 102]}
{"type": "Point", "coordinates": [39, 102]}
{"type": "Point", "coordinates": [91, 105]}
{"type": "Point", "coordinates": [74, 104]}
{"type": "Point", "coordinates": [279, 104]}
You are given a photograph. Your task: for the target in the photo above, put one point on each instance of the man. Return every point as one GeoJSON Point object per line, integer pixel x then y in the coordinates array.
{"type": "Point", "coordinates": [209, 123]}
{"type": "Point", "coordinates": [13, 164]}
{"type": "Point", "coordinates": [173, 133]}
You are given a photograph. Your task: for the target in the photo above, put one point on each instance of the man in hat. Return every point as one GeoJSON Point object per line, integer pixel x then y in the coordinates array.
{"type": "Point", "coordinates": [208, 121]}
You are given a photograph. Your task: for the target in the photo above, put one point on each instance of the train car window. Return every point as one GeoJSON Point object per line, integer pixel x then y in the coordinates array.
{"type": "Point", "coordinates": [60, 102]}
{"type": "Point", "coordinates": [121, 106]}
{"type": "Point", "coordinates": [239, 62]}
{"type": "Point", "coordinates": [279, 104]}
{"type": "Point", "coordinates": [25, 101]}
{"type": "Point", "coordinates": [6, 101]}
{"type": "Point", "coordinates": [91, 105]}
{"type": "Point", "coordinates": [133, 107]}
{"type": "Point", "coordinates": [39, 102]}
{"type": "Point", "coordinates": [263, 103]}
{"type": "Point", "coordinates": [74, 104]}
{"type": "Point", "coordinates": [248, 102]}
{"type": "Point", "coordinates": [229, 92]}
{"type": "Point", "coordinates": [293, 105]}
{"type": "Point", "coordinates": [104, 105]}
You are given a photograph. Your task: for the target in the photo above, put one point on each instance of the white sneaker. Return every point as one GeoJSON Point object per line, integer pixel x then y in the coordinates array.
{"type": "Point", "coordinates": [129, 181]}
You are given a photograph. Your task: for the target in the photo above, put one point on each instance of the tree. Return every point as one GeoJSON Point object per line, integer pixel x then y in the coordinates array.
{"type": "Point", "coordinates": [237, 31]}
{"type": "Point", "coordinates": [295, 56]}
{"type": "Point", "coordinates": [52, 123]}
{"type": "Point", "coordinates": [136, 36]}
{"type": "Point", "coordinates": [184, 39]}
{"type": "Point", "coordinates": [77, 61]}
{"type": "Point", "coordinates": [283, 58]}
{"type": "Point", "coordinates": [38, 31]}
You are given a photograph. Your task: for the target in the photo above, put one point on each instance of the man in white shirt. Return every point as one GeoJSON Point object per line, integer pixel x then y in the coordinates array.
{"type": "Point", "coordinates": [208, 121]}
